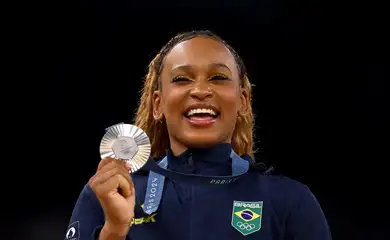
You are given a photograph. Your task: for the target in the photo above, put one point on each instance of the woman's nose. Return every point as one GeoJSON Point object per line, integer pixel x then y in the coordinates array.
{"type": "Point", "coordinates": [201, 90]}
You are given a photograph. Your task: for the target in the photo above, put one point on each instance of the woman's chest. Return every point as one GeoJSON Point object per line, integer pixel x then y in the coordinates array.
{"type": "Point", "coordinates": [237, 211]}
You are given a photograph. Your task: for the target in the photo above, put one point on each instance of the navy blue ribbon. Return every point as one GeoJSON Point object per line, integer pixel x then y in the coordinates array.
{"type": "Point", "coordinates": [158, 172]}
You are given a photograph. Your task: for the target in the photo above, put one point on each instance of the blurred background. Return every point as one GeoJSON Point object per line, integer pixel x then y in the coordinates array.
{"type": "Point", "coordinates": [321, 105]}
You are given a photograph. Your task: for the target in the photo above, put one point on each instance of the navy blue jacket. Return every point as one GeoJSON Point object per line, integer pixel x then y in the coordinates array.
{"type": "Point", "coordinates": [256, 206]}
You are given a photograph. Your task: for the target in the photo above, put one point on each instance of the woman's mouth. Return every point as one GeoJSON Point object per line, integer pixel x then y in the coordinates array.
{"type": "Point", "coordinates": [202, 116]}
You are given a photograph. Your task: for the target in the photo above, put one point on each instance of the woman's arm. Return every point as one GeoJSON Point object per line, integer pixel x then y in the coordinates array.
{"type": "Point", "coordinates": [306, 220]}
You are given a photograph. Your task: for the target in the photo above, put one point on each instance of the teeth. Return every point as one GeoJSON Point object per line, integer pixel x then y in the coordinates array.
{"type": "Point", "coordinates": [201, 110]}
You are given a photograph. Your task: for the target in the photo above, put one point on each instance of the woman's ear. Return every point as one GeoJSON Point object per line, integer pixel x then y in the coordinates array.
{"type": "Point", "coordinates": [157, 108]}
{"type": "Point", "coordinates": [243, 110]}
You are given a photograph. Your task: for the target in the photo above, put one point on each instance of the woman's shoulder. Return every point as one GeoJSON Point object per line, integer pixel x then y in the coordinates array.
{"type": "Point", "coordinates": [298, 205]}
{"type": "Point", "coordinates": [279, 181]}
{"type": "Point", "coordinates": [282, 186]}
{"type": "Point", "coordinates": [274, 182]}
{"type": "Point", "coordinates": [285, 193]}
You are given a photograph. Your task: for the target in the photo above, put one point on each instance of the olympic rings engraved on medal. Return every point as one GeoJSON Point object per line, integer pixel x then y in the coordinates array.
{"type": "Point", "coordinates": [245, 226]}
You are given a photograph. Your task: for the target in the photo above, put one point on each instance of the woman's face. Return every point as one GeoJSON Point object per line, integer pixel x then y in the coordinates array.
{"type": "Point", "coordinates": [200, 95]}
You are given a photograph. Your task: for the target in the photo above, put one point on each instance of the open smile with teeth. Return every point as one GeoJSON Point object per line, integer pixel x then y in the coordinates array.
{"type": "Point", "coordinates": [201, 113]}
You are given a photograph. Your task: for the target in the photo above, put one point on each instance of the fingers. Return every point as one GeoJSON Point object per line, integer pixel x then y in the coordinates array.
{"type": "Point", "coordinates": [108, 160]}
{"type": "Point", "coordinates": [114, 183]}
{"type": "Point", "coordinates": [112, 176]}
{"type": "Point", "coordinates": [110, 171]}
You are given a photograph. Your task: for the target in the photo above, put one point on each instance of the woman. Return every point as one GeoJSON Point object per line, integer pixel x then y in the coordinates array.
{"type": "Point", "coordinates": [196, 109]}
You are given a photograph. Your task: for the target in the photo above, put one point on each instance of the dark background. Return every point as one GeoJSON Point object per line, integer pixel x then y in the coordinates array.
{"type": "Point", "coordinates": [319, 69]}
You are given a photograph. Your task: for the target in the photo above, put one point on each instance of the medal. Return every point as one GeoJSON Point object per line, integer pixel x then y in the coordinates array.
{"type": "Point", "coordinates": [128, 143]}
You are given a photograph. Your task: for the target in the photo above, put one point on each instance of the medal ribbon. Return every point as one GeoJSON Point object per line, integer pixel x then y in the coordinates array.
{"type": "Point", "coordinates": [158, 172]}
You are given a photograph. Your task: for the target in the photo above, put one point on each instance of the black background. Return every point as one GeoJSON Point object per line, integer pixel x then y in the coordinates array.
{"type": "Point", "coordinates": [321, 113]}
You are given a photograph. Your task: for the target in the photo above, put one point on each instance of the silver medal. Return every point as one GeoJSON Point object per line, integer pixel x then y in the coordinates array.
{"type": "Point", "coordinates": [128, 143]}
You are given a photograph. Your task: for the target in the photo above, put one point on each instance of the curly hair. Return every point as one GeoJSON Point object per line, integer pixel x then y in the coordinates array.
{"type": "Point", "coordinates": [242, 139]}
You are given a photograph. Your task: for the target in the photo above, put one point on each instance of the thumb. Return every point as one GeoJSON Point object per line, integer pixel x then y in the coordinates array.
{"type": "Point", "coordinates": [130, 193]}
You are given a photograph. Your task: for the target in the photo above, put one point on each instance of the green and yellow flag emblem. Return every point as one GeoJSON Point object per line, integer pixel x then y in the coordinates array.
{"type": "Point", "coordinates": [246, 216]}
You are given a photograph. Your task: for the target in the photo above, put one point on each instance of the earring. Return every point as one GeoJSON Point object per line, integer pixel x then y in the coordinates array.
{"type": "Point", "coordinates": [159, 118]}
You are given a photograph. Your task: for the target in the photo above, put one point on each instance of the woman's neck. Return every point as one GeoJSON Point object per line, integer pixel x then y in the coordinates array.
{"type": "Point", "coordinates": [178, 148]}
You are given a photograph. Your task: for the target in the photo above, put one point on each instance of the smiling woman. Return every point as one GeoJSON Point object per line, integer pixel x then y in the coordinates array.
{"type": "Point", "coordinates": [201, 65]}
{"type": "Point", "coordinates": [200, 74]}
{"type": "Point", "coordinates": [196, 109]}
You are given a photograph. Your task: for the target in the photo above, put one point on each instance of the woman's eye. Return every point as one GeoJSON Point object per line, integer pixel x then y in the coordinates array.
{"type": "Point", "coordinates": [180, 79]}
{"type": "Point", "coordinates": [219, 77]}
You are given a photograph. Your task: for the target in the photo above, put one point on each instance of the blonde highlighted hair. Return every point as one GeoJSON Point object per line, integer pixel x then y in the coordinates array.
{"type": "Point", "coordinates": [242, 139]}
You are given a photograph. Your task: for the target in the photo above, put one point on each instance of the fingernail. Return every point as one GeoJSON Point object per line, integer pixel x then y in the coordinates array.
{"type": "Point", "coordinates": [128, 166]}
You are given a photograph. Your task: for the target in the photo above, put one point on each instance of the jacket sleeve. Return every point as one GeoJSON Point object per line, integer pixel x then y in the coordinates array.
{"type": "Point", "coordinates": [87, 217]}
{"type": "Point", "coordinates": [306, 220]}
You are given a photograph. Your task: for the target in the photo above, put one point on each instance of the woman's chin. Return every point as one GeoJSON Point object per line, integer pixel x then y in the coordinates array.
{"type": "Point", "coordinates": [201, 140]}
